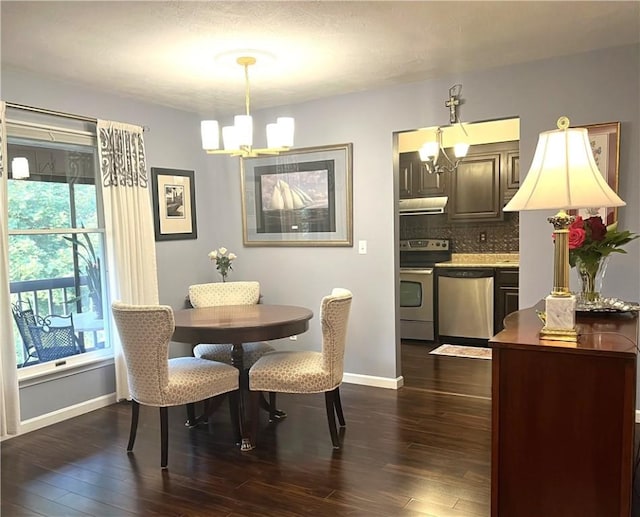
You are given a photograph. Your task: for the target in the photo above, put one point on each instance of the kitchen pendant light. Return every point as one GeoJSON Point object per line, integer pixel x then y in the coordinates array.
{"type": "Point", "coordinates": [431, 152]}
{"type": "Point", "coordinates": [237, 140]}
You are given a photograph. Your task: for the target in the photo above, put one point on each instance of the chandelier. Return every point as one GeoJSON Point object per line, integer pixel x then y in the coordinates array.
{"type": "Point", "coordinates": [238, 139]}
{"type": "Point", "coordinates": [432, 153]}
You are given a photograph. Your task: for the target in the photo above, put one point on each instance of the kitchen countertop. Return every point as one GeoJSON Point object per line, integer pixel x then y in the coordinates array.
{"type": "Point", "coordinates": [482, 260]}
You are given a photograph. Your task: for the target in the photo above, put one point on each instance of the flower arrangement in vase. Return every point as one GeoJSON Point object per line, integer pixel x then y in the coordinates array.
{"type": "Point", "coordinates": [223, 261]}
{"type": "Point", "coordinates": [590, 244]}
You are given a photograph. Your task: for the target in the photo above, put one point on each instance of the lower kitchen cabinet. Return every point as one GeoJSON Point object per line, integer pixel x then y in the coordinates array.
{"type": "Point", "coordinates": [563, 418]}
{"type": "Point", "coordinates": [505, 296]}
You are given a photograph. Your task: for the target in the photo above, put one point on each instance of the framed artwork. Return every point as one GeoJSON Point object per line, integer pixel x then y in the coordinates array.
{"type": "Point", "coordinates": [301, 197]}
{"type": "Point", "coordinates": [605, 144]}
{"type": "Point", "coordinates": [174, 204]}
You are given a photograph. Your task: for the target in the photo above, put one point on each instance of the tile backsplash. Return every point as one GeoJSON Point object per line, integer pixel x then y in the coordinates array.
{"type": "Point", "coordinates": [501, 236]}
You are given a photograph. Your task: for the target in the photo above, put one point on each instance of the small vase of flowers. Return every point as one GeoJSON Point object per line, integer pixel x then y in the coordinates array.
{"type": "Point", "coordinates": [590, 244]}
{"type": "Point", "coordinates": [223, 261]}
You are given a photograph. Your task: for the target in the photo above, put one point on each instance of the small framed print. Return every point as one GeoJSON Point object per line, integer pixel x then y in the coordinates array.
{"type": "Point", "coordinates": [174, 204]}
{"type": "Point", "coordinates": [605, 144]}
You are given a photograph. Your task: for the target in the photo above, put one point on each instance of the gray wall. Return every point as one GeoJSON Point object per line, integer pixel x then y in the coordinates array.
{"type": "Point", "coordinates": [594, 87]}
{"type": "Point", "coordinates": [172, 141]}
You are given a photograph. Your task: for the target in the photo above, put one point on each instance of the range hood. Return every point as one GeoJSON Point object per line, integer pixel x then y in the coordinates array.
{"type": "Point", "coordinates": [423, 205]}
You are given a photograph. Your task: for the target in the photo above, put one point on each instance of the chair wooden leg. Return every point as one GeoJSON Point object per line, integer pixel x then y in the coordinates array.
{"type": "Point", "coordinates": [330, 405]}
{"type": "Point", "coordinates": [270, 407]}
{"type": "Point", "coordinates": [213, 403]}
{"type": "Point", "coordinates": [135, 413]}
{"type": "Point", "coordinates": [192, 421]}
{"type": "Point", "coordinates": [164, 436]}
{"type": "Point", "coordinates": [254, 408]}
{"type": "Point", "coordinates": [338, 404]}
{"type": "Point", "coordinates": [274, 414]}
{"type": "Point", "coordinates": [234, 406]}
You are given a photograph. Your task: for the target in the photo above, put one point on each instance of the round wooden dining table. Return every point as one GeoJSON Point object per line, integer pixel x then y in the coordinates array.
{"type": "Point", "coordinates": [238, 324]}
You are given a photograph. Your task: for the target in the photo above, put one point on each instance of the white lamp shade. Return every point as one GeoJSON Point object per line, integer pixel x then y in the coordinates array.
{"type": "Point", "coordinates": [287, 130]}
{"type": "Point", "coordinates": [563, 175]}
{"type": "Point", "coordinates": [19, 168]}
{"type": "Point", "coordinates": [230, 138]}
{"type": "Point", "coordinates": [429, 151]}
{"type": "Point", "coordinates": [210, 134]}
{"type": "Point", "coordinates": [280, 133]}
{"type": "Point", "coordinates": [273, 135]}
{"type": "Point", "coordinates": [461, 149]}
{"type": "Point", "coordinates": [244, 129]}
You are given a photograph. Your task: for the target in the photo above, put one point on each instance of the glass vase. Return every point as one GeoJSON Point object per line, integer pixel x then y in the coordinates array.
{"type": "Point", "coordinates": [590, 276]}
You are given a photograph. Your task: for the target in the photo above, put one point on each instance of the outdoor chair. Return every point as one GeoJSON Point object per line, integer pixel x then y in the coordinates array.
{"type": "Point", "coordinates": [54, 337]}
{"type": "Point", "coordinates": [24, 317]}
{"type": "Point", "coordinates": [309, 371]}
{"type": "Point", "coordinates": [155, 380]}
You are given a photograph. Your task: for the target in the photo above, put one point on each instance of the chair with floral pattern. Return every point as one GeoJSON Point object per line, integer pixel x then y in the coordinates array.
{"type": "Point", "coordinates": [309, 371]}
{"type": "Point", "coordinates": [156, 380]}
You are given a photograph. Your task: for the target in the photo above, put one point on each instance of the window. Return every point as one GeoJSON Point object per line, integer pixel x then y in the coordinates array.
{"type": "Point", "coordinates": [56, 244]}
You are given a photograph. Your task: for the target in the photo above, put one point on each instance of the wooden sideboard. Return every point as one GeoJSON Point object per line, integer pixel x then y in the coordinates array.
{"type": "Point", "coordinates": [563, 418]}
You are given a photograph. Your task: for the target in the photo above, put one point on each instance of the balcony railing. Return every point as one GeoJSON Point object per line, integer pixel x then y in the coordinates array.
{"type": "Point", "coordinates": [54, 296]}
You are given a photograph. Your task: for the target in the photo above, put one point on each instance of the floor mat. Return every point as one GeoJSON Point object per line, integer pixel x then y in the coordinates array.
{"type": "Point", "coordinates": [474, 352]}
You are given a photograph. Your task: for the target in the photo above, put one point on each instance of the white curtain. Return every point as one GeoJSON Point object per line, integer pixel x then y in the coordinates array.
{"type": "Point", "coordinates": [131, 248]}
{"type": "Point", "coordinates": [9, 401]}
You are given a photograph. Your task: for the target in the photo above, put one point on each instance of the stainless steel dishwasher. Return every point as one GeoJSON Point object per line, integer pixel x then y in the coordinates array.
{"type": "Point", "coordinates": [465, 303]}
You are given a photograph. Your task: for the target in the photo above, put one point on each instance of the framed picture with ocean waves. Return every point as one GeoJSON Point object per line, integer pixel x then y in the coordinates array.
{"type": "Point", "coordinates": [301, 197]}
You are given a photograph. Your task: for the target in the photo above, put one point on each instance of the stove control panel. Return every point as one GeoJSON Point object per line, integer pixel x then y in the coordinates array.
{"type": "Point", "coordinates": [425, 245]}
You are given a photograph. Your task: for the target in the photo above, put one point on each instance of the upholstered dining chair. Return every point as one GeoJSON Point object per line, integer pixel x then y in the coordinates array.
{"type": "Point", "coordinates": [309, 371]}
{"type": "Point", "coordinates": [227, 293]}
{"type": "Point", "coordinates": [156, 380]}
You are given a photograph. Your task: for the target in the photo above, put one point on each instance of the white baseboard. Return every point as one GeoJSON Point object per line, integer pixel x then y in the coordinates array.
{"type": "Point", "coordinates": [60, 415]}
{"type": "Point", "coordinates": [371, 380]}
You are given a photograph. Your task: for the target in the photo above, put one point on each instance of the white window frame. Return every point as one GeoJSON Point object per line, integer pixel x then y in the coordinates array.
{"type": "Point", "coordinates": [34, 131]}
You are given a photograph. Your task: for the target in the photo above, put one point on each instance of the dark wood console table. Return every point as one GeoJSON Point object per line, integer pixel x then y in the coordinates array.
{"type": "Point", "coordinates": [563, 418]}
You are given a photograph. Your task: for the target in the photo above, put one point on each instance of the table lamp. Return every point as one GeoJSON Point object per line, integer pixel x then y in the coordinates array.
{"type": "Point", "coordinates": [563, 176]}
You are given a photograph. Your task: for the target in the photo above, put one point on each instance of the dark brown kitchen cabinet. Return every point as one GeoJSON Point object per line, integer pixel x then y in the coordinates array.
{"type": "Point", "coordinates": [415, 180]}
{"type": "Point", "coordinates": [505, 295]}
{"type": "Point", "coordinates": [476, 190]}
{"type": "Point", "coordinates": [512, 178]}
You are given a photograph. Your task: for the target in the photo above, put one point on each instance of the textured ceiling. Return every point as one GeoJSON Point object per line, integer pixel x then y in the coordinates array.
{"type": "Point", "coordinates": [163, 52]}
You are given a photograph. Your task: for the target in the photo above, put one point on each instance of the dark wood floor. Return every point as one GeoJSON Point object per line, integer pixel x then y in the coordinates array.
{"type": "Point", "coordinates": [421, 450]}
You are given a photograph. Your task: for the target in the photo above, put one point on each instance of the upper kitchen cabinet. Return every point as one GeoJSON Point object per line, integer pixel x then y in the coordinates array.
{"type": "Point", "coordinates": [512, 178]}
{"type": "Point", "coordinates": [478, 187]}
{"type": "Point", "coordinates": [415, 180]}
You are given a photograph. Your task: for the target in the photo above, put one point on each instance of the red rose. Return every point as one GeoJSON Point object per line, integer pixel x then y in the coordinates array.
{"type": "Point", "coordinates": [597, 227]}
{"type": "Point", "coordinates": [577, 223]}
{"type": "Point", "coordinates": [576, 237]}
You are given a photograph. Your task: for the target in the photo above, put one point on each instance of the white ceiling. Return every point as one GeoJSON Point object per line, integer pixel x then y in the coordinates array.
{"type": "Point", "coordinates": [163, 52]}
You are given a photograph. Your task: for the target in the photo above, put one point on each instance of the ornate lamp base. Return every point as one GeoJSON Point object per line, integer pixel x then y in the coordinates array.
{"type": "Point", "coordinates": [560, 323]}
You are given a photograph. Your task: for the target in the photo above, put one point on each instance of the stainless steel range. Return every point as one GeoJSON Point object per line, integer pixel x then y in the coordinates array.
{"type": "Point", "coordinates": [417, 259]}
